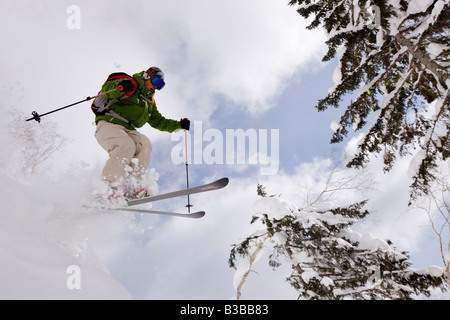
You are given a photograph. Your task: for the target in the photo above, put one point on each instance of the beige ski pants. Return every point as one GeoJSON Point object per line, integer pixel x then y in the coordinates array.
{"type": "Point", "coordinates": [122, 146]}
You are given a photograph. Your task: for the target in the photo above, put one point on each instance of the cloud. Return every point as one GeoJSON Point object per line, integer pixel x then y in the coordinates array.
{"type": "Point", "coordinates": [244, 52]}
{"type": "Point", "coordinates": [218, 57]}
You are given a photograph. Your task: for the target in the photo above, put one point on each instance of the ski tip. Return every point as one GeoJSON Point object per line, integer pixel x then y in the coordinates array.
{"type": "Point", "coordinates": [198, 214]}
{"type": "Point", "coordinates": [224, 181]}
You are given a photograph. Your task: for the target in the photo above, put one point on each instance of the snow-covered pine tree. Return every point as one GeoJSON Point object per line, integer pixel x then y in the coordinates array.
{"type": "Point", "coordinates": [397, 49]}
{"type": "Point", "coordinates": [328, 259]}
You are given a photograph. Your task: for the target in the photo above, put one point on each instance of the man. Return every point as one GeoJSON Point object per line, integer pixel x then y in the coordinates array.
{"type": "Point", "coordinates": [129, 104]}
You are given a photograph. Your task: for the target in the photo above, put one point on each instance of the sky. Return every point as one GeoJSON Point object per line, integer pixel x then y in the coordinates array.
{"type": "Point", "coordinates": [230, 67]}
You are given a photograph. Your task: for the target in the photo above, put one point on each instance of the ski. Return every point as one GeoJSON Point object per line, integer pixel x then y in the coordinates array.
{"type": "Point", "coordinates": [192, 215]}
{"type": "Point", "coordinates": [219, 184]}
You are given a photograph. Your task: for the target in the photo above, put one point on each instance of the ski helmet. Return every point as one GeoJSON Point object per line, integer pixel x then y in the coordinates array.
{"type": "Point", "coordinates": [156, 76]}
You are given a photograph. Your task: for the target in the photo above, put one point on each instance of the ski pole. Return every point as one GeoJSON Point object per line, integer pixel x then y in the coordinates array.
{"type": "Point", "coordinates": [36, 116]}
{"type": "Point", "coordinates": [187, 172]}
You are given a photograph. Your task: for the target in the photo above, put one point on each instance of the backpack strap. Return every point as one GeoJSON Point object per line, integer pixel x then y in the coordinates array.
{"type": "Point", "coordinates": [119, 117]}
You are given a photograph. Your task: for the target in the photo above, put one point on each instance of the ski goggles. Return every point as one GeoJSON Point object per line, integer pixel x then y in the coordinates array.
{"type": "Point", "coordinates": [157, 80]}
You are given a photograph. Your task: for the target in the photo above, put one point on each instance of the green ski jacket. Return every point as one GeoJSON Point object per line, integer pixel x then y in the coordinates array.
{"type": "Point", "coordinates": [139, 109]}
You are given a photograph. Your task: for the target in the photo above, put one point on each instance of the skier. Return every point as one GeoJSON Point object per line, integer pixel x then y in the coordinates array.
{"type": "Point", "coordinates": [130, 105]}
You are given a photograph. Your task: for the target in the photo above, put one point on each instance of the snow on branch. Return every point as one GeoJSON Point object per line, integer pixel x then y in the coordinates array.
{"type": "Point", "coordinates": [393, 63]}
{"type": "Point", "coordinates": [328, 259]}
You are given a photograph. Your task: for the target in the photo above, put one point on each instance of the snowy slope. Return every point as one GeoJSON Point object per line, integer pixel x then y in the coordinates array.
{"type": "Point", "coordinates": [45, 242]}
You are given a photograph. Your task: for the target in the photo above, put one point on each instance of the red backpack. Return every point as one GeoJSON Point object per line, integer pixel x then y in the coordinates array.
{"type": "Point", "coordinates": [101, 105]}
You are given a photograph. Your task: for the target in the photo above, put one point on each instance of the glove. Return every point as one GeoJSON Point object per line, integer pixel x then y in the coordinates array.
{"type": "Point", "coordinates": [125, 86]}
{"type": "Point", "coordinates": [185, 123]}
